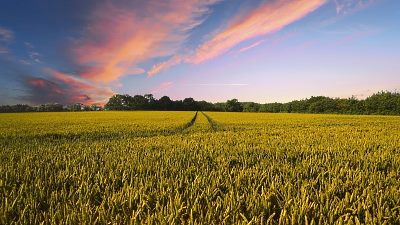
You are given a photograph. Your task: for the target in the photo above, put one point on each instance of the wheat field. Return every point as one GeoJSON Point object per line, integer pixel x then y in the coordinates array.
{"type": "Point", "coordinates": [198, 168]}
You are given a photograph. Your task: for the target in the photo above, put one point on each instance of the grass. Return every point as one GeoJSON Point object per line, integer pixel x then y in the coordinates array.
{"type": "Point", "coordinates": [215, 168]}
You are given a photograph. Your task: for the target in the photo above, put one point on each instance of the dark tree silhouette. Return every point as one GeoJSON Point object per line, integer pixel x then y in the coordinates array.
{"type": "Point", "coordinates": [233, 105]}
{"type": "Point", "coordinates": [384, 103]}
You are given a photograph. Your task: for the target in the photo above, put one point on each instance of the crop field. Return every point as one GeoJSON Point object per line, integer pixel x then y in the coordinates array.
{"type": "Point", "coordinates": [198, 168]}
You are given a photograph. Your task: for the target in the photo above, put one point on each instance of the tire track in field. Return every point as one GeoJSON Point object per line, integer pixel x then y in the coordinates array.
{"type": "Point", "coordinates": [98, 136]}
{"type": "Point", "coordinates": [214, 125]}
{"type": "Point", "coordinates": [188, 124]}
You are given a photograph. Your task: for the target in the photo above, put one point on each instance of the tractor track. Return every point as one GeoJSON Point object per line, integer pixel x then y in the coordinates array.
{"type": "Point", "coordinates": [99, 136]}
{"type": "Point", "coordinates": [189, 124]}
{"type": "Point", "coordinates": [214, 126]}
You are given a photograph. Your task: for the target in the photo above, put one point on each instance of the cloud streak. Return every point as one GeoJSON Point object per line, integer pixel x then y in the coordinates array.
{"type": "Point", "coordinates": [64, 88]}
{"type": "Point", "coordinates": [344, 7]}
{"type": "Point", "coordinates": [269, 17]}
{"type": "Point", "coordinates": [6, 35]}
{"type": "Point", "coordinates": [250, 46]}
{"type": "Point", "coordinates": [165, 65]}
{"type": "Point", "coordinates": [117, 38]}
{"type": "Point", "coordinates": [120, 37]}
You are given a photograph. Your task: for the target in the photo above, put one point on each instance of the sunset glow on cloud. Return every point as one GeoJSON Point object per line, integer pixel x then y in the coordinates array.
{"type": "Point", "coordinates": [267, 18]}
{"type": "Point", "coordinates": [62, 87]}
{"type": "Point", "coordinates": [120, 38]}
{"type": "Point", "coordinates": [86, 51]}
{"type": "Point", "coordinates": [264, 19]}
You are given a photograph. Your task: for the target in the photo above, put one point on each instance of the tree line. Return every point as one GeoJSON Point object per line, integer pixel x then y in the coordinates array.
{"type": "Point", "coordinates": [148, 102]}
{"type": "Point", "coordinates": [383, 103]}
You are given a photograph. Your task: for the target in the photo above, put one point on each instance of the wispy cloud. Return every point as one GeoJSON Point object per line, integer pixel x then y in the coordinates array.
{"type": "Point", "coordinates": [269, 17]}
{"type": "Point", "coordinates": [64, 88]}
{"type": "Point", "coordinates": [6, 35]}
{"type": "Point", "coordinates": [250, 46]}
{"type": "Point", "coordinates": [34, 56]}
{"type": "Point", "coordinates": [25, 62]}
{"type": "Point", "coordinates": [226, 84]}
{"type": "Point", "coordinates": [165, 65]}
{"type": "Point", "coordinates": [349, 6]}
{"type": "Point", "coordinates": [120, 37]}
{"type": "Point", "coordinates": [29, 45]}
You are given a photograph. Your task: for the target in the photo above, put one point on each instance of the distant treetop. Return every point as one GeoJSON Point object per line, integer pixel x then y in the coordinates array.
{"type": "Point", "coordinates": [383, 103]}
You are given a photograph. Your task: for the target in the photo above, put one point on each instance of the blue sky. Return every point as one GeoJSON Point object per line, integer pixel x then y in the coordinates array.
{"type": "Point", "coordinates": [214, 50]}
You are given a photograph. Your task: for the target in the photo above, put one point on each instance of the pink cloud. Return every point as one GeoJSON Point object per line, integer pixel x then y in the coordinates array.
{"type": "Point", "coordinates": [164, 65]}
{"type": "Point", "coordinates": [94, 93]}
{"type": "Point", "coordinates": [70, 80]}
{"type": "Point", "coordinates": [119, 38]}
{"type": "Point", "coordinates": [265, 19]}
{"type": "Point", "coordinates": [268, 18]}
{"type": "Point", "coordinates": [65, 88]}
{"type": "Point", "coordinates": [37, 82]}
{"type": "Point", "coordinates": [44, 90]}
{"type": "Point", "coordinates": [250, 46]}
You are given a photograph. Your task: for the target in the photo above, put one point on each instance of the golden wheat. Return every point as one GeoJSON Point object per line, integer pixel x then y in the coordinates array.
{"type": "Point", "coordinates": [212, 168]}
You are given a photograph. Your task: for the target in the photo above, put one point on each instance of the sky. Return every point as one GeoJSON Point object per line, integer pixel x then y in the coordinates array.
{"type": "Point", "coordinates": [255, 50]}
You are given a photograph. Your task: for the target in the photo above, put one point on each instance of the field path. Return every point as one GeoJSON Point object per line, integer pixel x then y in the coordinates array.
{"type": "Point", "coordinates": [189, 124]}
{"type": "Point", "coordinates": [200, 125]}
{"type": "Point", "coordinates": [214, 125]}
{"type": "Point", "coordinates": [200, 122]}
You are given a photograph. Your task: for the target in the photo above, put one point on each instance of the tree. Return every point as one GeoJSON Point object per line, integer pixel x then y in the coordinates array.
{"type": "Point", "coordinates": [95, 107]}
{"type": "Point", "coordinates": [151, 101]}
{"type": "Point", "coordinates": [165, 103]}
{"type": "Point", "coordinates": [116, 102]}
{"type": "Point", "coordinates": [383, 103]}
{"type": "Point", "coordinates": [75, 107]}
{"type": "Point", "coordinates": [219, 106]}
{"type": "Point", "coordinates": [233, 105]}
{"type": "Point", "coordinates": [251, 107]}
{"type": "Point", "coordinates": [321, 104]}
{"type": "Point", "coordinates": [189, 104]}
{"type": "Point", "coordinates": [138, 102]}
{"type": "Point", "coordinates": [206, 106]}
{"type": "Point", "coordinates": [272, 107]}
{"type": "Point", "coordinates": [51, 107]}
